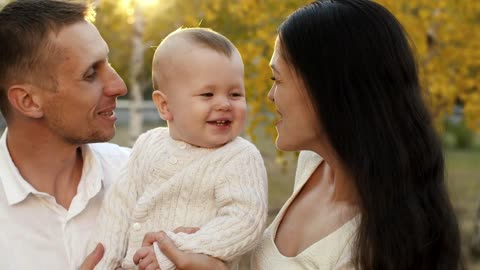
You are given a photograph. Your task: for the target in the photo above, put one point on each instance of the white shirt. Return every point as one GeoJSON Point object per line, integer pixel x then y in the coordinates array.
{"type": "Point", "coordinates": [38, 233]}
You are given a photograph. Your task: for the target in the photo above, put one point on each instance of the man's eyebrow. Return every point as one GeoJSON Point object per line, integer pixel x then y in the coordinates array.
{"type": "Point", "coordinates": [96, 63]}
{"type": "Point", "coordinates": [103, 58]}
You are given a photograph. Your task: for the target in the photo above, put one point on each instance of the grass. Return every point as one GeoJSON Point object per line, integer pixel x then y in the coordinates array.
{"type": "Point", "coordinates": [462, 171]}
{"type": "Point", "coordinates": [463, 180]}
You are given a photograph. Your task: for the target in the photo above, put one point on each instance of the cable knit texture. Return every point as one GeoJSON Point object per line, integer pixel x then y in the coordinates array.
{"type": "Point", "coordinates": [170, 183]}
{"type": "Point", "coordinates": [333, 252]}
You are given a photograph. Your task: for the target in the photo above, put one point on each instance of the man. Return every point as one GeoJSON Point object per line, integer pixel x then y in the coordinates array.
{"type": "Point", "coordinates": [58, 94]}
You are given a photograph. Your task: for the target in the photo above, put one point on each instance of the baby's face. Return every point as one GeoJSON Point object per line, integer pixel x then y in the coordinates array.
{"type": "Point", "coordinates": [206, 97]}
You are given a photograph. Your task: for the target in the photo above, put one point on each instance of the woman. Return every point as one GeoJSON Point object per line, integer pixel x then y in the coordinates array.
{"type": "Point", "coordinates": [370, 192]}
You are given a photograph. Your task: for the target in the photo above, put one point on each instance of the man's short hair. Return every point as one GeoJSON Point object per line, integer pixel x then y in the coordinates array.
{"type": "Point", "coordinates": [25, 49]}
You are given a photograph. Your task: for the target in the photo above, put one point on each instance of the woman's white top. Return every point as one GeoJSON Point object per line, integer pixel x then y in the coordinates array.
{"type": "Point", "coordinates": [332, 252]}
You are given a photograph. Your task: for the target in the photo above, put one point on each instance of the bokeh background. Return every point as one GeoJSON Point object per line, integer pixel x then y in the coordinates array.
{"type": "Point", "coordinates": [444, 33]}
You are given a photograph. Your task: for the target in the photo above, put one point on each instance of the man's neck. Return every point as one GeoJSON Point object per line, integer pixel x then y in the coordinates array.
{"type": "Point", "coordinates": [47, 163]}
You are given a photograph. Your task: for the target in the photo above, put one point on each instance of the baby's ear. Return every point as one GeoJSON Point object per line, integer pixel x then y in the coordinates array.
{"type": "Point", "coordinates": [160, 100]}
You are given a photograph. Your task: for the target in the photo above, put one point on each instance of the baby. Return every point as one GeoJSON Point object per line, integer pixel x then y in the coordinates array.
{"type": "Point", "coordinates": [195, 173]}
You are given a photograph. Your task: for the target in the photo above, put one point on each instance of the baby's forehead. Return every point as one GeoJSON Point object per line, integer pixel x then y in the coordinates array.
{"type": "Point", "coordinates": [180, 51]}
{"type": "Point", "coordinates": [189, 39]}
{"type": "Point", "coordinates": [176, 53]}
{"type": "Point", "coordinates": [181, 58]}
{"type": "Point", "coordinates": [183, 45]}
{"type": "Point", "coordinates": [174, 45]}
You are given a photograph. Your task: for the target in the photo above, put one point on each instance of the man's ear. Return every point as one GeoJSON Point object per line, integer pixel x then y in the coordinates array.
{"type": "Point", "coordinates": [23, 98]}
{"type": "Point", "coordinates": [161, 102]}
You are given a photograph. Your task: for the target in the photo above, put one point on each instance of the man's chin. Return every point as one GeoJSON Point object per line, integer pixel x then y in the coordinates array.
{"type": "Point", "coordinates": [93, 138]}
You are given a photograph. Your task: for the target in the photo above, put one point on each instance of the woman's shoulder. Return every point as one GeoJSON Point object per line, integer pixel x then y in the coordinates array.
{"type": "Point", "coordinates": [307, 162]}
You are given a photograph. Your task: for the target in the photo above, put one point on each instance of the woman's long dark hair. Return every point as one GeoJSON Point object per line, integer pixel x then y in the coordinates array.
{"type": "Point", "coordinates": [361, 75]}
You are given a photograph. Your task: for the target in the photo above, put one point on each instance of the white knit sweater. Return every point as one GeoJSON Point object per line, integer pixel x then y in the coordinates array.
{"type": "Point", "coordinates": [169, 184]}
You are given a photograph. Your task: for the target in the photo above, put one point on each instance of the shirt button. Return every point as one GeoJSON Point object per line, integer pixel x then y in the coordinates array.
{"type": "Point", "coordinates": [173, 160]}
{"type": "Point", "coordinates": [136, 226]}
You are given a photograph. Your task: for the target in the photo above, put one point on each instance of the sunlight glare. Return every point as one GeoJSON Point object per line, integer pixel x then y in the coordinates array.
{"type": "Point", "coordinates": [129, 5]}
{"type": "Point", "coordinates": [148, 2]}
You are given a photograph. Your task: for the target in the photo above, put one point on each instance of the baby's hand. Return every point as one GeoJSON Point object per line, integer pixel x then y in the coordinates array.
{"type": "Point", "coordinates": [145, 259]}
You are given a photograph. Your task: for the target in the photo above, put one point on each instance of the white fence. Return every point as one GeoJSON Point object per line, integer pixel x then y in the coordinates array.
{"type": "Point", "coordinates": [149, 111]}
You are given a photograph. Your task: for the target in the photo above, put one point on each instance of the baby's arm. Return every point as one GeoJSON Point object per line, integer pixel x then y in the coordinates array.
{"type": "Point", "coordinates": [114, 216]}
{"type": "Point", "coordinates": [112, 223]}
{"type": "Point", "coordinates": [241, 198]}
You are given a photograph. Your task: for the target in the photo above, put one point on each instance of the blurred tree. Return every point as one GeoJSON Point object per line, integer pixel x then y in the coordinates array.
{"type": "Point", "coordinates": [114, 22]}
{"type": "Point", "coordinates": [444, 33]}
{"type": "Point", "coordinates": [137, 79]}
{"type": "Point", "coordinates": [447, 38]}
{"type": "Point", "coordinates": [136, 65]}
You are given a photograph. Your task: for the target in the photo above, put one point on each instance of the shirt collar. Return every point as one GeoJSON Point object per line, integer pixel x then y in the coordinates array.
{"type": "Point", "coordinates": [92, 174]}
{"type": "Point", "coordinates": [17, 188]}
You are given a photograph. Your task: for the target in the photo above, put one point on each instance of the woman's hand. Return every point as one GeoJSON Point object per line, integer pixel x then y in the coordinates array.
{"type": "Point", "coordinates": [182, 260]}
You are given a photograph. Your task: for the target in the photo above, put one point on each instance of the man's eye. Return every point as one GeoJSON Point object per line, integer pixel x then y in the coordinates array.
{"type": "Point", "coordinates": [90, 76]}
{"type": "Point", "coordinates": [206, 94]}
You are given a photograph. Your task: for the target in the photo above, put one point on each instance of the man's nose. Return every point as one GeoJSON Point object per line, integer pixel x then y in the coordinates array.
{"type": "Point", "coordinates": [114, 86]}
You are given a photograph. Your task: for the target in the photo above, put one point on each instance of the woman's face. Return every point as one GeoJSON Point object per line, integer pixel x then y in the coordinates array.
{"type": "Point", "coordinates": [297, 126]}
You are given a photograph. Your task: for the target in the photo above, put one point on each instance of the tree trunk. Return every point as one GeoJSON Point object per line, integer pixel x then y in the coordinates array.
{"type": "Point", "coordinates": [136, 65]}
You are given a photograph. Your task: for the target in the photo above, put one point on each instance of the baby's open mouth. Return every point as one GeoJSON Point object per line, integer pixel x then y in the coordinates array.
{"type": "Point", "coordinates": [220, 122]}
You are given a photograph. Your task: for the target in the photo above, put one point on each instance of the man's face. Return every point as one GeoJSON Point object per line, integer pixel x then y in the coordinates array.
{"type": "Point", "coordinates": [81, 109]}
